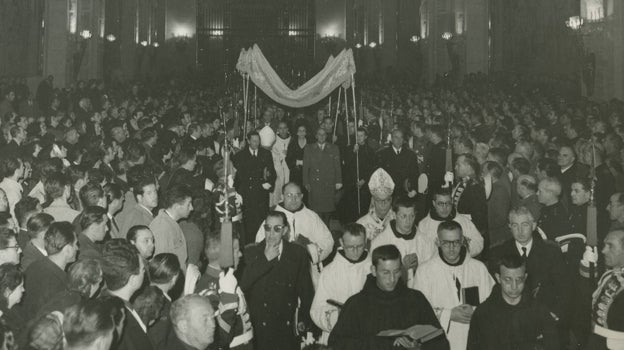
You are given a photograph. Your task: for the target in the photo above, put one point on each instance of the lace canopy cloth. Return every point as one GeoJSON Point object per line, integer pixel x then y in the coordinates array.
{"type": "Point", "coordinates": [337, 71]}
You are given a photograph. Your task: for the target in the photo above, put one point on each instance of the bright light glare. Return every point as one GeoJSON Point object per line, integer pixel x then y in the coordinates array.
{"type": "Point", "coordinates": [372, 45]}
{"type": "Point", "coordinates": [292, 32]}
{"type": "Point", "coordinates": [86, 34]}
{"type": "Point", "coordinates": [181, 31]}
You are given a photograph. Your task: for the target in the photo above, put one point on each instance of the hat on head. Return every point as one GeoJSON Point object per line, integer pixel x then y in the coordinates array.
{"type": "Point", "coordinates": [267, 137]}
{"type": "Point", "coordinates": [381, 185]}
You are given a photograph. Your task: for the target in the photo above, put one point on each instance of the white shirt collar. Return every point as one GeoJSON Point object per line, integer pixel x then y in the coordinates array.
{"type": "Point", "coordinates": [527, 246]}
{"type": "Point", "coordinates": [281, 249]}
{"type": "Point", "coordinates": [397, 150]}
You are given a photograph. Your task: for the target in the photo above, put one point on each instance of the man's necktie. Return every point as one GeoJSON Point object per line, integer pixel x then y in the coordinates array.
{"type": "Point", "coordinates": [524, 253]}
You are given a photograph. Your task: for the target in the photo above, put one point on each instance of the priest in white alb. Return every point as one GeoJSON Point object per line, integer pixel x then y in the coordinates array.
{"type": "Point", "coordinates": [442, 210]}
{"type": "Point", "coordinates": [453, 283]}
{"type": "Point", "coordinates": [402, 233]}
{"type": "Point", "coordinates": [342, 278]}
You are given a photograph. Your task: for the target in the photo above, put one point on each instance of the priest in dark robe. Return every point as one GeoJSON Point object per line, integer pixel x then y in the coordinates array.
{"type": "Point", "coordinates": [385, 303]}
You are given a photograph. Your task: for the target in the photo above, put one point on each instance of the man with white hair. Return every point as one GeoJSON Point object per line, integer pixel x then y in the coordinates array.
{"type": "Point", "coordinates": [381, 187]}
{"type": "Point", "coordinates": [554, 219]}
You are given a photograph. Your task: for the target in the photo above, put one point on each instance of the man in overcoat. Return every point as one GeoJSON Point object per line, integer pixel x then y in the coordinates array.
{"type": "Point", "coordinates": [322, 175]}
{"type": "Point", "coordinates": [276, 278]}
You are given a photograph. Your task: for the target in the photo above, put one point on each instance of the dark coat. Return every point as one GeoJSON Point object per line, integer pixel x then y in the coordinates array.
{"type": "Point", "coordinates": [436, 165]}
{"type": "Point", "coordinates": [43, 280]}
{"type": "Point", "coordinates": [272, 289]}
{"type": "Point", "coordinates": [293, 154]}
{"type": "Point", "coordinates": [367, 160]}
{"type": "Point", "coordinates": [474, 203]}
{"type": "Point", "coordinates": [133, 336]}
{"type": "Point", "coordinates": [30, 254]}
{"type": "Point", "coordinates": [548, 280]}
{"type": "Point", "coordinates": [554, 220]}
{"type": "Point", "coordinates": [496, 325]}
{"type": "Point", "coordinates": [88, 248]}
{"type": "Point", "coordinates": [372, 310]}
{"type": "Point", "coordinates": [252, 173]}
{"type": "Point", "coordinates": [498, 206]}
{"type": "Point", "coordinates": [321, 173]}
{"type": "Point", "coordinates": [402, 168]}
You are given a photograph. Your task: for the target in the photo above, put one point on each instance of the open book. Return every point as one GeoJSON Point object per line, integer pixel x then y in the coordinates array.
{"type": "Point", "coordinates": [421, 333]}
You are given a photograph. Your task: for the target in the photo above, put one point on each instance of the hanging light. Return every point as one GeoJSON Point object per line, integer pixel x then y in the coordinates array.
{"type": "Point", "coordinates": [156, 44]}
{"type": "Point", "coordinates": [358, 45]}
{"type": "Point", "coordinates": [86, 34]}
{"type": "Point", "coordinates": [143, 43]}
{"type": "Point", "coordinates": [574, 22]}
{"type": "Point", "coordinates": [414, 38]}
{"type": "Point", "coordinates": [447, 35]}
{"type": "Point", "coordinates": [372, 45]}
{"type": "Point", "coordinates": [111, 38]}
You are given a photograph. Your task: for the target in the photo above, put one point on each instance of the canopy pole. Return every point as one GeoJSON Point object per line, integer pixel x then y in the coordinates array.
{"type": "Point", "coordinates": [357, 152]}
{"type": "Point", "coordinates": [337, 112]}
{"type": "Point", "coordinates": [346, 119]}
{"type": "Point", "coordinates": [255, 105]}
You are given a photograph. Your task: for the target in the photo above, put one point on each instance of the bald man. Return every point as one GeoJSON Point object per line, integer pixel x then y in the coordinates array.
{"type": "Point", "coordinates": [554, 216]}
{"type": "Point", "coordinates": [193, 322]}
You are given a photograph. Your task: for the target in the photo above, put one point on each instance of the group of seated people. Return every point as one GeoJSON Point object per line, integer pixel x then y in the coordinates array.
{"type": "Point", "coordinates": [113, 204]}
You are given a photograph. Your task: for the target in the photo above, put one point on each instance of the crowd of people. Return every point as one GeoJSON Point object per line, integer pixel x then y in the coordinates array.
{"type": "Point", "coordinates": [476, 216]}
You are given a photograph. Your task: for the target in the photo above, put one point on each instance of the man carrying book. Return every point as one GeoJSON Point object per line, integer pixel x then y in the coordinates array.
{"type": "Point", "coordinates": [454, 283]}
{"type": "Point", "coordinates": [385, 303]}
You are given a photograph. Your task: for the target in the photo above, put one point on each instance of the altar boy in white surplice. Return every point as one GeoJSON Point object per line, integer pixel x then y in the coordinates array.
{"type": "Point", "coordinates": [342, 278]}
{"type": "Point", "coordinates": [454, 283]}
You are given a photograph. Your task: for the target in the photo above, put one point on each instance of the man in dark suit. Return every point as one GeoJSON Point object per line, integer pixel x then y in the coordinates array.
{"type": "Point", "coordinates": [402, 165]}
{"type": "Point", "coordinates": [46, 277]}
{"type": "Point", "coordinates": [254, 180]}
{"type": "Point", "coordinates": [275, 278]}
{"type": "Point", "coordinates": [548, 280]}
{"type": "Point", "coordinates": [571, 170]}
{"type": "Point", "coordinates": [123, 271]}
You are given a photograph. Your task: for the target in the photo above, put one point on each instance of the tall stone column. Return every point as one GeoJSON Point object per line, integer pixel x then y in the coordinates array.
{"type": "Point", "coordinates": [56, 42]}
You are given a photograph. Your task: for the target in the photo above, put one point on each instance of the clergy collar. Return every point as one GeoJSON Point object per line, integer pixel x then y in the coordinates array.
{"type": "Point", "coordinates": [397, 234]}
{"type": "Point", "coordinates": [291, 211]}
{"type": "Point", "coordinates": [462, 257]}
{"type": "Point", "coordinates": [434, 215]}
{"type": "Point", "coordinates": [362, 258]}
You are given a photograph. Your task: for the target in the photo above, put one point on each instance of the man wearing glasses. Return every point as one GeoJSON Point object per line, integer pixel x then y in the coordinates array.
{"type": "Point", "coordinates": [549, 281]}
{"type": "Point", "coordinates": [443, 210]}
{"type": "Point", "coordinates": [305, 227]}
{"type": "Point", "coordinates": [341, 279]}
{"type": "Point", "coordinates": [453, 283]}
{"type": "Point", "coordinates": [276, 279]}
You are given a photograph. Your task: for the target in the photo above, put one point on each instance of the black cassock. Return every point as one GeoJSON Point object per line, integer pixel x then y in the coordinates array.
{"type": "Point", "coordinates": [348, 208]}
